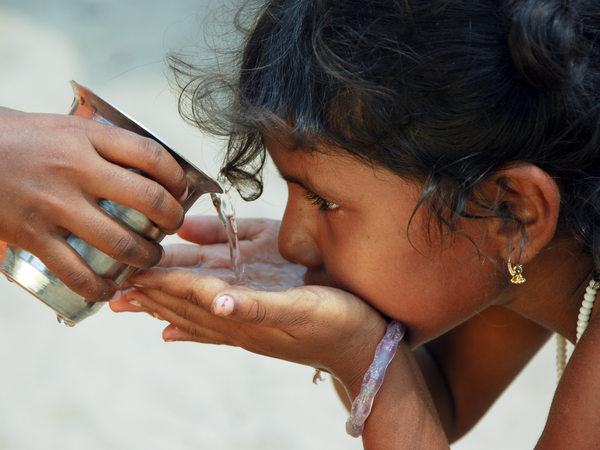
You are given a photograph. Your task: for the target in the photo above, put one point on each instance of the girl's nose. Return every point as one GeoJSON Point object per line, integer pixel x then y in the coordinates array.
{"type": "Point", "coordinates": [298, 232]}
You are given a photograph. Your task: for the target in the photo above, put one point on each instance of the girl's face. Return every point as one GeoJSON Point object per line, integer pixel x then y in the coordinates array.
{"type": "Point", "coordinates": [348, 223]}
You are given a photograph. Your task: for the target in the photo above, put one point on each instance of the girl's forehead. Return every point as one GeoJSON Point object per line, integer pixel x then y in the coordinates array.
{"type": "Point", "coordinates": [310, 163]}
{"type": "Point", "coordinates": [337, 172]}
{"type": "Point", "coordinates": [301, 167]}
{"type": "Point", "coordinates": [317, 155]}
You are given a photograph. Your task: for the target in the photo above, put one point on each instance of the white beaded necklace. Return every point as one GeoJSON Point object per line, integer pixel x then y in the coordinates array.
{"type": "Point", "coordinates": [583, 321]}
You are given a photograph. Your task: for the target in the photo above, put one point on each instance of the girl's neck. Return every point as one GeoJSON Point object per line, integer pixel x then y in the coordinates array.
{"type": "Point", "coordinates": [556, 281]}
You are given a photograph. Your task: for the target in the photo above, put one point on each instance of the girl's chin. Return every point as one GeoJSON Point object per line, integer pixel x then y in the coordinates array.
{"type": "Point", "coordinates": [316, 278]}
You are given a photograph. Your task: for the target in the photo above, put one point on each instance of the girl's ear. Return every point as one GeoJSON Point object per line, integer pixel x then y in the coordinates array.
{"type": "Point", "coordinates": [529, 199]}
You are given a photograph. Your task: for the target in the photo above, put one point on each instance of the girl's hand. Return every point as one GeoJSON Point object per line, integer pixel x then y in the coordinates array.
{"type": "Point", "coordinates": [318, 326]}
{"type": "Point", "coordinates": [312, 325]}
{"type": "Point", "coordinates": [53, 171]}
{"type": "Point", "coordinates": [264, 268]}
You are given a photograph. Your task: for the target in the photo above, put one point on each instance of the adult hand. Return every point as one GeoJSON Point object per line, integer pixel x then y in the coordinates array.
{"type": "Point", "coordinates": [53, 171]}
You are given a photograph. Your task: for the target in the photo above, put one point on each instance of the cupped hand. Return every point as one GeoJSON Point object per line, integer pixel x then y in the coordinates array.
{"type": "Point", "coordinates": [53, 172]}
{"type": "Point", "coordinates": [264, 268]}
{"type": "Point", "coordinates": [318, 326]}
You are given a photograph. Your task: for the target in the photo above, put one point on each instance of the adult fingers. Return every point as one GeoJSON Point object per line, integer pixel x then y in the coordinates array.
{"type": "Point", "coordinates": [101, 231]}
{"type": "Point", "coordinates": [128, 149]}
{"type": "Point", "coordinates": [68, 266]}
{"type": "Point", "coordinates": [138, 192]}
{"type": "Point", "coordinates": [89, 223]}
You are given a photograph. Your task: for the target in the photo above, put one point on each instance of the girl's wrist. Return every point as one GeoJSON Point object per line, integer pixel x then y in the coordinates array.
{"type": "Point", "coordinates": [374, 378]}
{"type": "Point", "coordinates": [360, 357]}
{"type": "Point", "coordinates": [403, 410]}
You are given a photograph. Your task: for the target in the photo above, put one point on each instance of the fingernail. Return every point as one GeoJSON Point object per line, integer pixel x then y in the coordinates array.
{"type": "Point", "coordinates": [162, 258]}
{"type": "Point", "coordinates": [223, 306]}
{"type": "Point", "coordinates": [170, 339]}
{"type": "Point", "coordinates": [137, 285]}
{"type": "Point", "coordinates": [135, 303]}
{"type": "Point", "coordinates": [118, 294]}
{"type": "Point", "coordinates": [184, 196]}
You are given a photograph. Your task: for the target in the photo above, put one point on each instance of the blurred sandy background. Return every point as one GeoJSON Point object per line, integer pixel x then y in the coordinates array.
{"type": "Point", "coordinates": [110, 382]}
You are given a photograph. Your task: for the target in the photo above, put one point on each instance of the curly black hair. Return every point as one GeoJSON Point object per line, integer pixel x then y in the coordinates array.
{"type": "Point", "coordinates": [442, 92]}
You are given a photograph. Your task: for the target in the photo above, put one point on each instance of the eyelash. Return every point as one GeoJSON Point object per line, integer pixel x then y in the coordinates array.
{"type": "Point", "coordinates": [323, 205]}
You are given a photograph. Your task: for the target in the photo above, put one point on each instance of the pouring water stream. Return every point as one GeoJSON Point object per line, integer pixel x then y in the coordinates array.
{"type": "Point", "coordinates": [224, 207]}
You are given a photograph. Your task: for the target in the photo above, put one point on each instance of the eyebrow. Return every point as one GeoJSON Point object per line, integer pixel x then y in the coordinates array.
{"type": "Point", "coordinates": [307, 186]}
{"type": "Point", "coordinates": [292, 179]}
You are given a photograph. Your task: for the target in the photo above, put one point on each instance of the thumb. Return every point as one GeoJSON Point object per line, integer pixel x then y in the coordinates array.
{"type": "Point", "coordinates": [270, 309]}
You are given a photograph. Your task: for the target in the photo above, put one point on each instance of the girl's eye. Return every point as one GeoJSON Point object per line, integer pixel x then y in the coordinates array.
{"type": "Point", "coordinates": [321, 203]}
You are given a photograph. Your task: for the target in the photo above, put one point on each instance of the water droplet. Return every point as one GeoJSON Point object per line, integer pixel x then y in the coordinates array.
{"type": "Point", "coordinates": [65, 322]}
{"type": "Point", "coordinates": [319, 378]}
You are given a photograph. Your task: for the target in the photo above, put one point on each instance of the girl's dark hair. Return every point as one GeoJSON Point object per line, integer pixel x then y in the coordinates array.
{"type": "Point", "coordinates": [443, 92]}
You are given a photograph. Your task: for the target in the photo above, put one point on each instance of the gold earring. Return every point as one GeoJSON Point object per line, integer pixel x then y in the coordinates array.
{"type": "Point", "coordinates": [516, 272]}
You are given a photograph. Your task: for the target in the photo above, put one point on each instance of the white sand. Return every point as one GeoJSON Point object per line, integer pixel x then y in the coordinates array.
{"type": "Point", "coordinates": [111, 383]}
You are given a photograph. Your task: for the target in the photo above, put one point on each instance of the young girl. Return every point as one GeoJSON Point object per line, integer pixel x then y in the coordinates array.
{"type": "Point", "coordinates": [443, 165]}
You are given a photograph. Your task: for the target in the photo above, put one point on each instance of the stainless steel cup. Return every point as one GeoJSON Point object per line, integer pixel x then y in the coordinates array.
{"type": "Point", "coordinates": [28, 271]}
